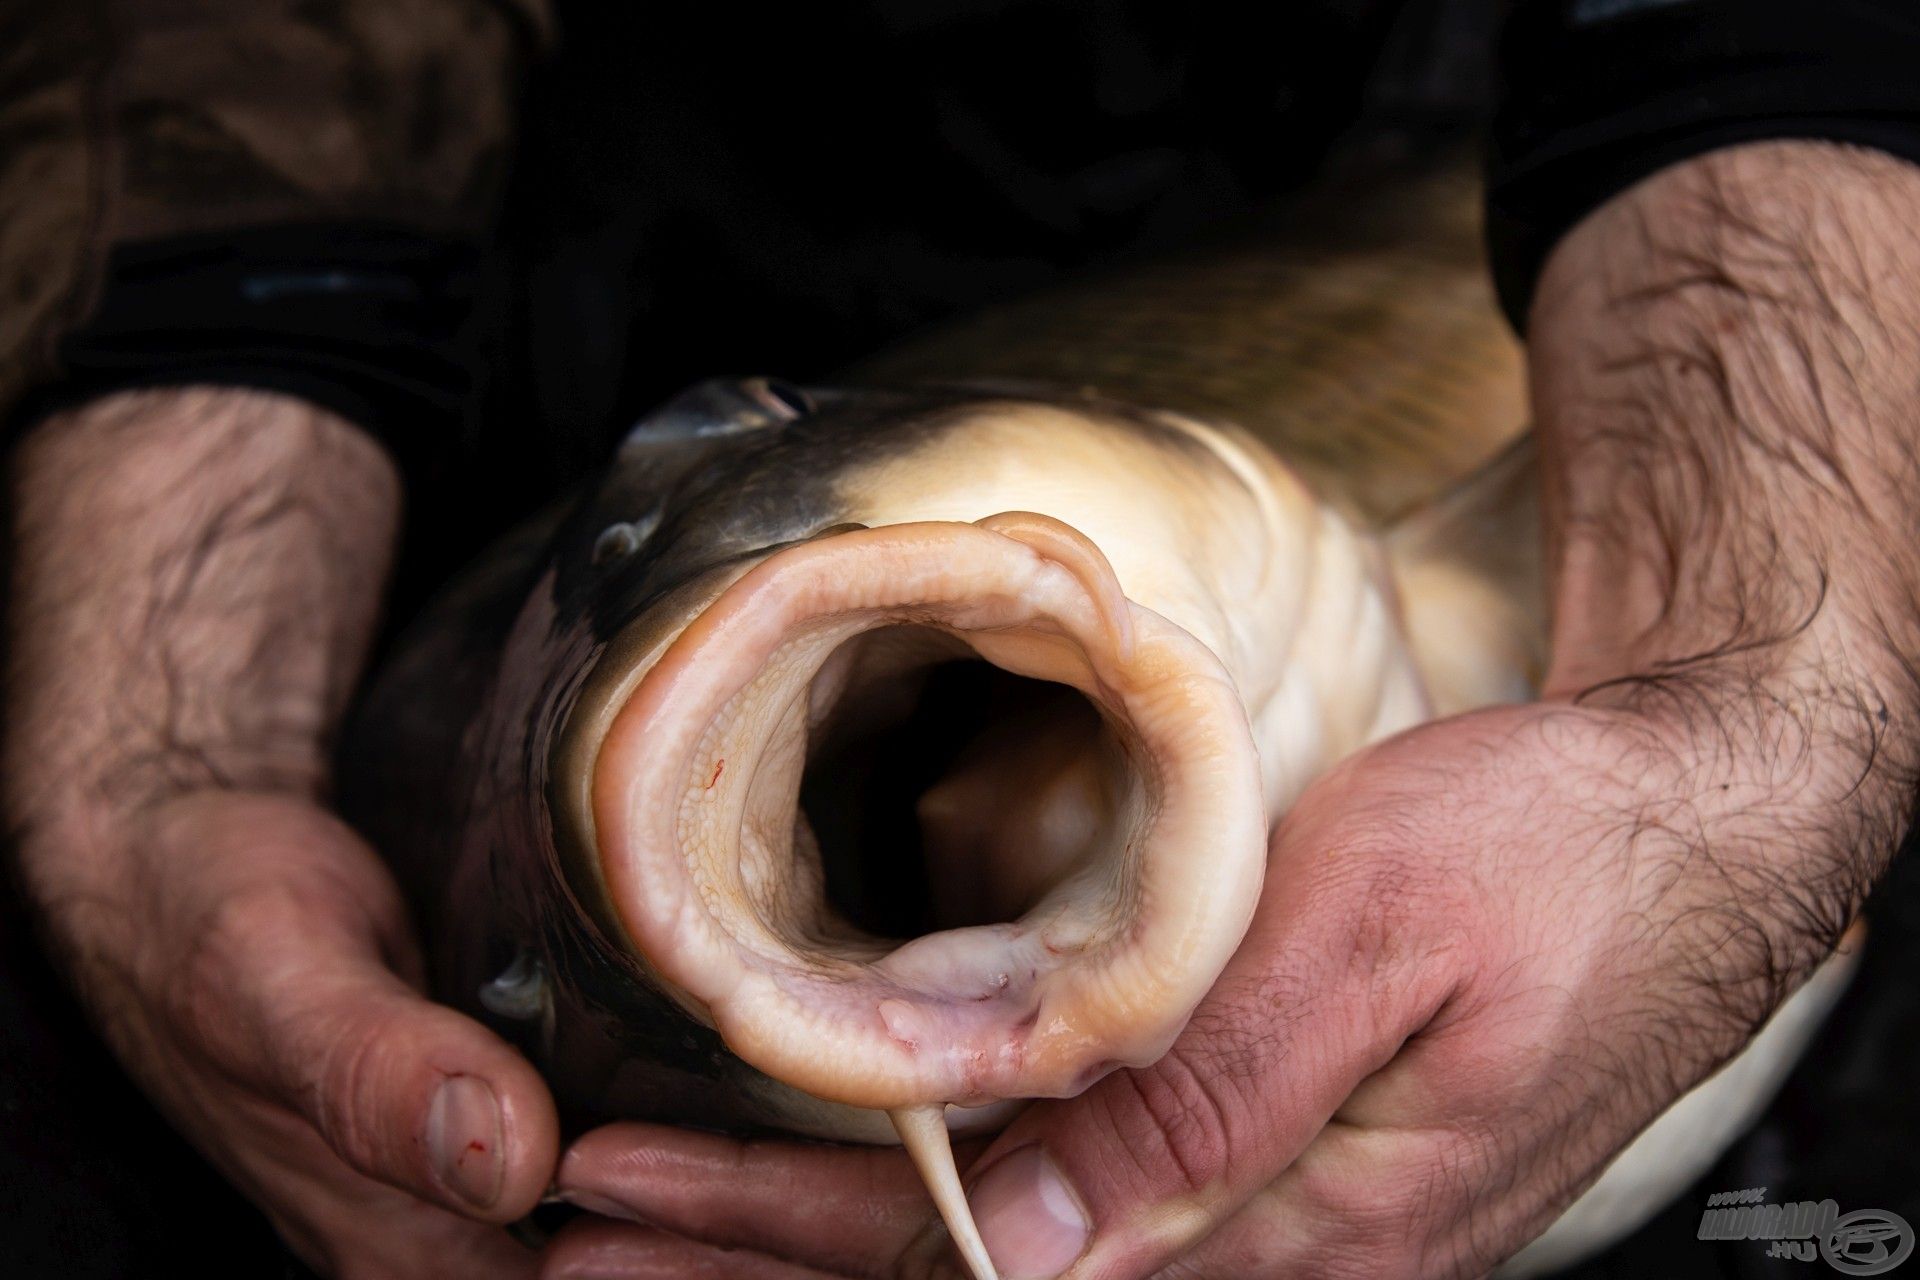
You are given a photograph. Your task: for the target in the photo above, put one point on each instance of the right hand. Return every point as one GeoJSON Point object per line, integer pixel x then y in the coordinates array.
{"type": "Point", "coordinates": [250, 962]}
{"type": "Point", "coordinates": [195, 579]}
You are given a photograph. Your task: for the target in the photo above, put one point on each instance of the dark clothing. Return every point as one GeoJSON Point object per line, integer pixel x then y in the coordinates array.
{"type": "Point", "coordinates": [1597, 94]}
{"type": "Point", "coordinates": [300, 196]}
{"type": "Point", "coordinates": [135, 126]}
{"type": "Point", "coordinates": [330, 198]}
{"type": "Point", "coordinates": [683, 201]}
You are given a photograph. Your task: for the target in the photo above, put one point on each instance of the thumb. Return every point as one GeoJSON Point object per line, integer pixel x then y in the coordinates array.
{"type": "Point", "coordinates": [290, 989]}
{"type": "Point", "coordinates": [1134, 1172]}
{"type": "Point", "coordinates": [415, 1094]}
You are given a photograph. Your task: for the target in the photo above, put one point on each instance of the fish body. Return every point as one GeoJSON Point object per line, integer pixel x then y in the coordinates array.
{"type": "Point", "coordinates": [874, 552]}
{"type": "Point", "coordinates": [911, 747]}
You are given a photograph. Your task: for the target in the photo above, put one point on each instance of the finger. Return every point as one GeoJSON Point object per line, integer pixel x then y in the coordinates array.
{"type": "Point", "coordinates": [1148, 1162]}
{"type": "Point", "coordinates": [1130, 1173]}
{"type": "Point", "coordinates": [864, 1211]}
{"type": "Point", "coordinates": [1426, 1169]}
{"type": "Point", "coordinates": [342, 1224]}
{"type": "Point", "coordinates": [414, 1094]}
{"type": "Point", "coordinates": [595, 1249]}
{"type": "Point", "coordinates": [404, 1090]}
{"type": "Point", "coordinates": [287, 985]}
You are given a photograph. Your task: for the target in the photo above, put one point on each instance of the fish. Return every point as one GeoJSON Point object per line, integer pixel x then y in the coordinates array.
{"type": "Point", "coordinates": [861, 762]}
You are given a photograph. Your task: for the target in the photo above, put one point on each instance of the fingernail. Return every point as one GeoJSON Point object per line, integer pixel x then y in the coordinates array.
{"type": "Point", "coordinates": [1029, 1217]}
{"type": "Point", "coordinates": [463, 1140]}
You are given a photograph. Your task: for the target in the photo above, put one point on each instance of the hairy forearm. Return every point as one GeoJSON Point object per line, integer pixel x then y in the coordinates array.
{"type": "Point", "coordinates": [1724, 380]}
{"type": "Point", "coordinates": [195, 576]}
{"type": "Point", "coordinates": [1723, 365]}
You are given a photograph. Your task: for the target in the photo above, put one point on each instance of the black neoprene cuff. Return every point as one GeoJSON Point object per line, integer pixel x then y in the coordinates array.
{"type": "Point", "coordinates": [1597, 94]}
{"type": "Point", "coordinates": [375, 323]}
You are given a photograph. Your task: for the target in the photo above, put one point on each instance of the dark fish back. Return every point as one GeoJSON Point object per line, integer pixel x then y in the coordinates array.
{"type": "Point", "coordinates": [1354, 332]}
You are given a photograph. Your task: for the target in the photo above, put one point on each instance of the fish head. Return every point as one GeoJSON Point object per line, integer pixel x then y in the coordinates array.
{"type": "Point", "coordinates": [913, 748]}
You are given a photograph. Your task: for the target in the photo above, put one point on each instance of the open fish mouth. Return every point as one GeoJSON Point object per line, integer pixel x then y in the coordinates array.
{"type": "Point", "coordinates": [1088, 855]}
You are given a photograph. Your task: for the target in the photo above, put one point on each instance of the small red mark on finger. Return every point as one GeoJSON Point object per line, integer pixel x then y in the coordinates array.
{"type": "Point", "coordinates": [718, 765]}
{"type": "Point", "coordinates": [477, 1145]}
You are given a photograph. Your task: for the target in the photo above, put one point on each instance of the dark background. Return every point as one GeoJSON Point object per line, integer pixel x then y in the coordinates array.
{"type": "Point", "coordinates": [712, 192]}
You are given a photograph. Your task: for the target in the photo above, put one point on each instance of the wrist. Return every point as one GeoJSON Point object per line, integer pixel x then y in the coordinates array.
{"type": "Point", "coordinates": [1722, 377]}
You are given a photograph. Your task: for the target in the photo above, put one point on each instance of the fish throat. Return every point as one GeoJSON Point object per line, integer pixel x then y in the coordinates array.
{"type": "Point", "coordinates": [894, 787]}
{"type": "Point", "coordinates": [942, 792]}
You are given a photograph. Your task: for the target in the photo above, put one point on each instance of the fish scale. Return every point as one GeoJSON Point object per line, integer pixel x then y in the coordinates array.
{"type": "Point", "coordinates": [1355, 334]}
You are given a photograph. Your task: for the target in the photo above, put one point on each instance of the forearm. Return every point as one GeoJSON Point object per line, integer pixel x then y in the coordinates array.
{"type": "Point", "coordinates": [196, 575]}
{"type": "Point", "coordinates": [1723, 366]}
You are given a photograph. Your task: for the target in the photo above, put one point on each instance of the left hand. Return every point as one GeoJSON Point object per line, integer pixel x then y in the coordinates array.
{"type": "Point", "coordinates": [1488, 952]}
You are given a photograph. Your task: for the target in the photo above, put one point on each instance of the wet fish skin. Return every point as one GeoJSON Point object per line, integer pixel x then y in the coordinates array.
{"type": "Point", "coordinates": [1352, 329]}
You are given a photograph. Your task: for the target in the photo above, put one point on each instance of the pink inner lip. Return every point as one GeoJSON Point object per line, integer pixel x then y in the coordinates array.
{"type": "Point", "coordinates": [714, 874]}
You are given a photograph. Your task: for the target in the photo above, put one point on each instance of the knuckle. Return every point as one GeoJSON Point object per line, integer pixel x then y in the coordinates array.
{"type": "Point", "coordinates": [341, 1094]}
{"type": "Point", "coordinates": [1179, 1120]}
{"type": "Point", "coordinates": [237, 983]}
{"type": "Point", "coordinates": [239, 934]}
{"type": "Point", "coordinates": [1406, 947]}
{"type": "Point", "coordinates": [206, 984]}
{"type": "Point", "coordinates": [1376, 1243]}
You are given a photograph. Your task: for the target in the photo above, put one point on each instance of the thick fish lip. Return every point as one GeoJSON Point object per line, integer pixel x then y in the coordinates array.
{"type": "Point", "coordinates": [1102, 973]}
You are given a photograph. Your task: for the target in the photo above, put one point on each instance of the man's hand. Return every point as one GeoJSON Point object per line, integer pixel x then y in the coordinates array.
{"type": "Point", "coordinates": [1488, 951]}
{"type": "Point", "coordinates": [1492, 949]}
{"type": "Point", "coordinates": [195, 579]}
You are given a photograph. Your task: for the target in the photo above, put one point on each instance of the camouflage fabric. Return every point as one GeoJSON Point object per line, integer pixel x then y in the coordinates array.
{"type": "Point", "coordinates": [130, 120]}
